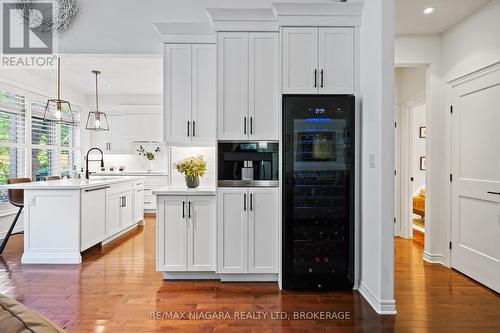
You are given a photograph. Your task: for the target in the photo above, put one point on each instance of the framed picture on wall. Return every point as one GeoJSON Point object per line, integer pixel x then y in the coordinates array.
{"type": "Point", "coordinates": [421, 132]}
{"type": "Point", "coordinates": [422, 162]}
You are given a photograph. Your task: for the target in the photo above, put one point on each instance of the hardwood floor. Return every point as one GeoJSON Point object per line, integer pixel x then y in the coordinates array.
{"type": "Point", "coordinates": [116, 289]}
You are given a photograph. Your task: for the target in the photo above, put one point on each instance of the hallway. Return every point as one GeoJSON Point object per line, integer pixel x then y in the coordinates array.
{"type": "Point", "coordinates": [117, 288]}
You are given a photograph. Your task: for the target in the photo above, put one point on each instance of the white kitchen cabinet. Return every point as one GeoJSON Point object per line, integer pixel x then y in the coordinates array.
{"type": "Point", "coordinates": [247, 230]}
{"type": "Point", "coordinates": [186, 233]}
{"type": "Point", "coordinates": [300, 60]}
{"type": "Point", "coordinates": [248, 99]}
{"type": "Point", "coordinates": [128, 210]}
{"type": "Point", "coordinates": [171, 225]}
{"type": "Point", "coordinates": [112, 141]}
{"type": "Point", "coordinates": [139, 202]}
{"type": "Point", "coordinates": [318, 60]}
{"type": "Point", "coordinates": [93, 217]}
{"type": "Point", "coordinates": [263, 94]}
{"type": "Point", "coordinates": [263, 230]}
{"type": "Point", "coordinates": [189, 93]}
{"type": "Point", "coordinates": [113, 214]}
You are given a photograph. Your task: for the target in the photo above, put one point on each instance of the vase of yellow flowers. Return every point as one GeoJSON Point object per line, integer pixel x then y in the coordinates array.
{"type": "Point", "coordinates": [193, 168]}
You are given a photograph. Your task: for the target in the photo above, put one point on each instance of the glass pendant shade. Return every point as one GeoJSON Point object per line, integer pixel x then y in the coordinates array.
{"type": "Point", "coordinates": [96, 120]}
{"type": "Point", "coordinates": [58, 110]}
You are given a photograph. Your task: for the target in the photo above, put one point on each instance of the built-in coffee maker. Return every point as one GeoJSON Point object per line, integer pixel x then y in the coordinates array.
{"type": "Point", "coordinates": [248, 163]}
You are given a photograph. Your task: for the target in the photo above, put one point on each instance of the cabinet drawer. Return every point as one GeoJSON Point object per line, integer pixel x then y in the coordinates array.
{"type": "Point", "coordinates": [149, 202]}
{"type": "Point", "coordinates": [121, 187]}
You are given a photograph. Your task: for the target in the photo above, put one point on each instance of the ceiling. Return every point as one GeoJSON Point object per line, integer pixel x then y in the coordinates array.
{"type": "Point", "coordinates": [119, 75]}
{"type": "Point", "coordinates": [411, 20]}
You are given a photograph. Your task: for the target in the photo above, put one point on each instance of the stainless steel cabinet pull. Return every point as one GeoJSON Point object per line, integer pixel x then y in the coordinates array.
{"type": "Point", "coordinates": [315, 78]}
{"type": "Point", "coordinates": [97, 189]}
{"type": "Point", "coordinates": [244, 201]}
{"type": "Point", "coordinates": [194, 128]}
{"type": "Point", "coordinates": [188, 127]}
{"type": "Point", "coordinates": [321, 85]}
{"type": "Point", "coordinates": [251, 201]}
{"type": "Point", "coordinates": [183, 209]}
{"type": "Point", "coordinates": [189, 209]}
{"type": "Point", "coordinates": [244, 125]}
{"type": "Point", "coordinates": [497, 193]}
{"type": "Point", "coordinates": [251, 125]}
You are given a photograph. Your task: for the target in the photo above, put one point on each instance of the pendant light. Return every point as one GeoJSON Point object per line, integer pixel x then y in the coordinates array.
{"type": "Point", "coordinates": [57, 110]}
{"type": "Point", "coordinates": [96, 120]}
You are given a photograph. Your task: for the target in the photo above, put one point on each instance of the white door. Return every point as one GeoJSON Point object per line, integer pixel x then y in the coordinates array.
{"type": "Point", "coordinates": [93, 219]}
{"type": "Point", "coordinates": [263, 101]}
{"type": "Point", "coordinates": [336, 61]}
{"type": "Point", "coordinates": [113, 214]}
{"type": "Point", "coordinates": [263, 230]}
{"type": "Point", "coordinates": [232, 206]}
{"type": "Point", "coordinates": [476, 180]}
{"type": "Point", "coordinates": [139, 204]}
{"type": "Point", "coordinates": [232, 95]}
{"type": "Point", "coordinates": [177, 96]}
{"type": "Point", "coordinates": [300, 61]}
{"type": "Point", "coordinates": [128, 210]}
{"type": "Point", "coordinates": [200, 234]}
{"type": "Point", "coordinates": [204, 93]}
{"type": "Point", "coordinates": [172, 231]}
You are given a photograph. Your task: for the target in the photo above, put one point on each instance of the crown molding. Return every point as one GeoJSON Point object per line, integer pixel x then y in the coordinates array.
{"type": "Point", "coordinates": [318, 13]}
{"type": "Point", "coordinates": [242, 19]}
{"type": "Point", "coordinates": [186, 32]}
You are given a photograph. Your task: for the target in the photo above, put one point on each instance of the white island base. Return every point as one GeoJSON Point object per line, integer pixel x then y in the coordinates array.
{"type": "Point", "coordinates": [62, 218]}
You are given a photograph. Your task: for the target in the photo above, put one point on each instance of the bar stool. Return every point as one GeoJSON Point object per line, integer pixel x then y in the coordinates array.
{"type": "Point", "coordinates": [52, 178]}
{"type": "Point", "coordinates": [16, 198]}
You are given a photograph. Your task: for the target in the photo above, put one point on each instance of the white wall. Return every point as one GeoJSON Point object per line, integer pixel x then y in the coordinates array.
{"type": "Point", "coordinates": [473, 43]}
{"type": "Point", "coordinates": [377, 191]}
{"type": "Point", "coordinates": [417, 146]}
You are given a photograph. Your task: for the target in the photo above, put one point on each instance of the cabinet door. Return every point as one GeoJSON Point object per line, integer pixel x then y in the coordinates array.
{"type": "Point", "coordinates": [263, 230]}
{"type": "Point", "coordinates": [263, 96]}
{"type": "Point", "coordinates": [200, 234]}
{"type": "Point", "coordinates": [232, 81]}
{"type": "Point", "coordinates": [143, 126]}
{"type": "Point", "coordinates": [177, 96]}
{"type": "Point", "coordinates": [128, 210]}
{"type": "Point", "coordinates": [113, 214]}
{"type": "Point", "coordinates": [171, 228]}
{"type": "Point", "coordinates": [232, 230]}
{"type": "Point", "coordinates": [203, 93]}
{"type": "Point", "coordinates": [336, 60]}
{"type": "Point", "coordinates": [112, 141]}
{"type": "Point", "coordinates": [93, 219]}
{"type": "Point", "coordinates": [300, 60]}
{"type": "Point", "coordinates": [139, 204]}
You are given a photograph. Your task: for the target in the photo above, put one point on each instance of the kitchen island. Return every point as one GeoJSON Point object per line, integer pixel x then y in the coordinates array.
{"type": "Point", "coordinates": [62, 218]}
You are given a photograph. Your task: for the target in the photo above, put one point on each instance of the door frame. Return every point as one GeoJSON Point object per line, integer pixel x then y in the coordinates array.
{"type": "Point", "coordinates": [404, 220]}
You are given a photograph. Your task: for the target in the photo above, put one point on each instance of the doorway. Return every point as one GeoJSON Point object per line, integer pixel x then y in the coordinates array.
{"type": "Point", "coordinates": [410, 152]}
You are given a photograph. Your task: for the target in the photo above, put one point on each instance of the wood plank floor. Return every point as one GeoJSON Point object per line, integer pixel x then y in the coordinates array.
{"type": "Point", "coordinates": [117, 288]}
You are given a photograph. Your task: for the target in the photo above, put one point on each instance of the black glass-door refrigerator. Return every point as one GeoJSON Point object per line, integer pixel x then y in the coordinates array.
{"type": "Point", "coordinates": [318, 192]}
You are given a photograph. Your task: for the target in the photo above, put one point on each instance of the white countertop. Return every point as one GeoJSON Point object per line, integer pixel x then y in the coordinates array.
{"type": "Point", "coordinates": [183, 190]}
{"type": "Point", "coordinates": [130, 173]}
{"type": "Point", "coordinates": [70, 184]}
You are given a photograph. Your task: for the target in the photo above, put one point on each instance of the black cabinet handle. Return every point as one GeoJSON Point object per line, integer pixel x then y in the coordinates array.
{"type": "Point", "coordinates": [251, 201]}
{"type": "Point", "coordinates": [315, 78]}
{"type": "Point", "coordinates": [124, 201]}
{"type": "Point", "coordinates": [497, 193]}
{"type": "Point", "coordinates": [244, 125]}
{"type": "Point", "coordinates": [194, 128]}
{"type": "Point", "coordinates": [321, 79]}
{"type": "Point", "coordinates": [183, 209]}
{"type": "Point", "coordinates": [189, 209]}
{"type": "Point", "coordinates": [251, 125]}
{"type": "Point", "coordinates": [244, 201]}
{"type": "Point", "coordinates": [188, 127]}
{"type": "Point", "coordinates": [97, 189]}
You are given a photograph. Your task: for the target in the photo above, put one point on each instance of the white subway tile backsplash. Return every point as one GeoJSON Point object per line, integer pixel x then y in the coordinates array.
{"type": "Point", "coordinates": [178, 153]}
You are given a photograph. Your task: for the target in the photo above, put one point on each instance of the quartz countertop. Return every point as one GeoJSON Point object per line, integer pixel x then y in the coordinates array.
{"type": "Point", "coordinates": [70, 184]}
{"type": "Point", "coordinates": [183, 190]}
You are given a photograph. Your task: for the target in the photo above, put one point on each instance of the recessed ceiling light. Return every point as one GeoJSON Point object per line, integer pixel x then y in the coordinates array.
{"type": "Point", "coordinates": [428, 10]}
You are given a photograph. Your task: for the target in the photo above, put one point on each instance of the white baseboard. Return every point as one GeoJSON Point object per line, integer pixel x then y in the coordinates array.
{"type": "Point", "coordinates": [220, 276]}
{"type": "Point", "coordinates": [433, 258]}
{"type": "Point", "coordinates": [383, 307]}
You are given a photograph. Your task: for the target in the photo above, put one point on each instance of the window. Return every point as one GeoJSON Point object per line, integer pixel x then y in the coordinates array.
{"type": "Point", "coordinates": [12, 136]}
{"type": "Point", "coordinates": [28, 145]}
